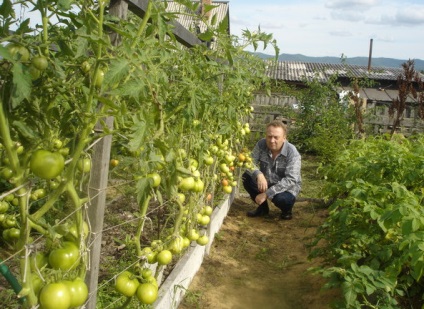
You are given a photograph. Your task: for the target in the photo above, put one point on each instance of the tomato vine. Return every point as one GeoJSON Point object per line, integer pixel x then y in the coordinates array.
{"type": "Point", "coordinates": [172, 107]}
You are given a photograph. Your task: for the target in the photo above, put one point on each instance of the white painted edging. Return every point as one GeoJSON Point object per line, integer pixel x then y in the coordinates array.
{"type": "Point", "coordinates": [174, 287]}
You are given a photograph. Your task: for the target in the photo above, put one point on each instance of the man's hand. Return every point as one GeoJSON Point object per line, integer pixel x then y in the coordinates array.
{"type": "Point", "coordinates": [262, 183]}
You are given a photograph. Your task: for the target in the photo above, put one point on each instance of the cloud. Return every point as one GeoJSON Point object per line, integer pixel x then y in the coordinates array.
{"type": "Point", "coordinates": [347, 16]}
{"type": "Point", "coordinates": [340, 33]}
{"type": "Point", "coordinates": [350, 4]}
{"type": "Point", "coordinates": [411, 15]}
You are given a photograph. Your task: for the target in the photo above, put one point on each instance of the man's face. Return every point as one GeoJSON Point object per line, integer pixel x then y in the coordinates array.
{"type": "Point", "coordinates": [275, 138]}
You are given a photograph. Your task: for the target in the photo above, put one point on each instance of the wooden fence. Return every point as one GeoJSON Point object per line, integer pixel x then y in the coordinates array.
{"type": "Point", "coordinates": [376, 120]}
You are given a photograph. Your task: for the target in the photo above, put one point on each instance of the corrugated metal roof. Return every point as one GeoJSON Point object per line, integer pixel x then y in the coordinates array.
{"type": "Point", "coordinates": [184, 16]}
{"type": "Point", "coordinates": [298, 71]}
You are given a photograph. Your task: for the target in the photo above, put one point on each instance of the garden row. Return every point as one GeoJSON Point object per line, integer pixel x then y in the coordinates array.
{"type": "Point", "coordinates": [175, 120]}
{"type": "Point", "coordinates": [373, 237]}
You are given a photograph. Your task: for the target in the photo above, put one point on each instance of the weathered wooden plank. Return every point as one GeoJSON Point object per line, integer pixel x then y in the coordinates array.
{"type": "Point", "coordinates": [183, 36]}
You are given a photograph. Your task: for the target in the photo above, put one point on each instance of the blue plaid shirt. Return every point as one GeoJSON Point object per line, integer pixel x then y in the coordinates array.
{"type": "Point", "coordinates": [283, 173]}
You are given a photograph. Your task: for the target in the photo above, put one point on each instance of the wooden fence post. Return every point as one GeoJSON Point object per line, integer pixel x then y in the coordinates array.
{"type": "Point", "coordinates": [96, 209]}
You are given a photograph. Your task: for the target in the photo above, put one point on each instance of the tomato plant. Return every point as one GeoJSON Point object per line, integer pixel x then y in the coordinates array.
{"type": "Point", "coordinates": [62, 79]}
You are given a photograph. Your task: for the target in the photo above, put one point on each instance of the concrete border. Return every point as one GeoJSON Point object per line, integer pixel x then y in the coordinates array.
{"type": "Point", "coordinates": [173, 289]}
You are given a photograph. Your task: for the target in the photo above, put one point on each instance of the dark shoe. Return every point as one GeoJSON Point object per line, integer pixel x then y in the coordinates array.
{"type": "Point", "coordinates": [286, 216]}
{"type": "Point", "coordinates": [258, 212]}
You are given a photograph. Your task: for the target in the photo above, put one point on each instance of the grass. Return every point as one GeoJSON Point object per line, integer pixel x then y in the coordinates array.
{"type": "Point", "coordinates": [312, 182]}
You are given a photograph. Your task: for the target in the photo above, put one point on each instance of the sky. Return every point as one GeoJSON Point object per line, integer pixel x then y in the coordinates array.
{"type": "Point", "coordinates": [335, 28]}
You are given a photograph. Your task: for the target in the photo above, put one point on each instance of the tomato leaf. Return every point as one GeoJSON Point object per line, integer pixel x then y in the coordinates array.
{"type": "Point", "coordinates": [65, 49]}
{"type": "Point", "coordinates": [64, 5]}
{"type": "Point", "coordinates": [137, 137]}
{"type": "Point", "coordinates": [118, 70]}
{"type": "Point", "coordinates": [25, 131]}
{"type": "Point", "coordinates": [24, 27]}
{"type": "Point", "coordinates": [6, 9]}
{"type": "Point", "coordinates": [22, 84]}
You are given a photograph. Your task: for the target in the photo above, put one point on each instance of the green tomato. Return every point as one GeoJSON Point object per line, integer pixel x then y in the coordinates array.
{"type": "Point", "coordinates": [34, 72]}
{"type": "Point", "coordinates": [207, 210]}
{"type": "Point", "coordinates": [9, 221]}
{"type": "Point", "coordinates": [18, 52]}
{"type": "Point", "coordinates": [98, 80]}
{"type": "Point", "coordinates": [202, 240]}
{"type": "Point", "coordinates": [204, 220]}
{"type": "Point", "coordinates": [85, 67]}
{"type": "Point", "coordinates": [147, 293]}
{"type": "Point", "coordinates": [150, 255]}
{"type": "Point", "coordinates": [11, 234]}
{"type": "Point", "coordinates": [78, 291]}
{"type": "Point", "coordinates": [146, 273]}
{"type": "Point", "coordinates": [57, 143]}
{"type": "Point", "coordinates": [186, 184]}
{"type": "Point", "coordinates": [176, 245]}
{"type": "Point", "coordinates": [53, 184]}
{"type": "Point", "coordinates": [38, 261]}
{"type": "Point", "coordinates": [6, 173]}
{"type": "Point", "coordinates": [55, 296]}
{"type": "Point", "coordinates": [84, 165]}
{"type": "Point", "coordinates": [193, 235]}
{"type": "Point", "coordinates": [209, 160]}
{"type": "Point", "coordinates": [186, 242]}
{"type": "Point", "coordinates": [126, 284]}
{"type": "Point", "coordinates": [40, 62]}
{"type": "Point", "coordinates": [164, 257]}
{"type": "Point", "coordinates": [156, 179]}
{"type": "Point", "coordinates": [198, 185]}
{"type": "Point", "coordinates": [4, 206]}
{"type": "Point", "coordinates": [193, 162]}
{"type": "Point", "coordinates": [9, 198]}
{"type": "Point", "coordinates": [40, 193]}
{"type": "Point", "coordinates": [14, 233]}
{"type": "Point", "coordinates": [37, 283]}
{"type": "Point", "coordinates": [181, 197]}
{"type": "Point", "coordinates": [46, 164]}
{"type": "Point", "coordinates": [73, 233]}
{"type": "Point", "coordinates": [66, 257]}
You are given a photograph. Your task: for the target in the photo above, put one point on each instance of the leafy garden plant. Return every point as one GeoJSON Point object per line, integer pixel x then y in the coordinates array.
{"type": "Point", "coordinates": [373, 236]}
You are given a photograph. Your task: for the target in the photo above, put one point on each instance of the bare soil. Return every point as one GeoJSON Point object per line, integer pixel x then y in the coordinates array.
{"type": "Point", "coordinates": [262, 263]}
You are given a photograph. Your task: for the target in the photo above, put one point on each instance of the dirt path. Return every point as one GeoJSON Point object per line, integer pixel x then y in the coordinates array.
{"type": "Point", "coordinates": [261, 263]}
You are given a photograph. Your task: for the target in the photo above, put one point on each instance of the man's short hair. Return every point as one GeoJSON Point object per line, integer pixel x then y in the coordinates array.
{"type": "Point", "coordinates": [277, 124]}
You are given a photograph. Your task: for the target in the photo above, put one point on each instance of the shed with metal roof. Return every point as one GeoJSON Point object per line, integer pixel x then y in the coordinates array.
{"type": "Point", "coordinates": [376, 99]}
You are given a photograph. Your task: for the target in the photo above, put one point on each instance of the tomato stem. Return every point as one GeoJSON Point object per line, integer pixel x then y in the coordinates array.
{"type": "Point", "coordinates": [143, 210]}
{"type": "Point", "coordinates": [146, 18]}
{"type": "Point", "coordinates": [179, 218]}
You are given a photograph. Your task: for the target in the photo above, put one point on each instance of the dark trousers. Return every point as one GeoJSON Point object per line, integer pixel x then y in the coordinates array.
{"type": "Point", "coordinates": [284, 200]}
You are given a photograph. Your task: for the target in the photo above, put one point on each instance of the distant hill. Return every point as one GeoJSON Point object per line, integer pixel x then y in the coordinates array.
{"type": "Point", "coordinates": [363, 61]}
